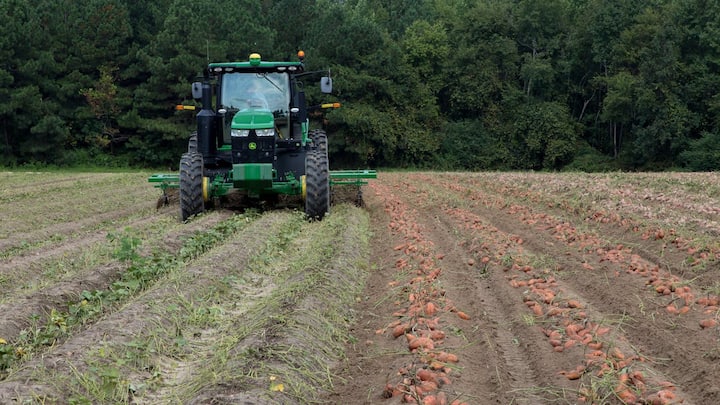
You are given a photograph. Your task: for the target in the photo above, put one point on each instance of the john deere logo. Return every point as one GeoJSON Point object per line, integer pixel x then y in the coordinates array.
{"type": "Point", "coordinates": [252, 146]}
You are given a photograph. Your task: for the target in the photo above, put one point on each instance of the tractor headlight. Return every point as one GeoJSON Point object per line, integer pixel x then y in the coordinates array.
{"type": "Point", "coordinates": [265, 132]}
{"type": "Point", "coordinates": [239, 132]}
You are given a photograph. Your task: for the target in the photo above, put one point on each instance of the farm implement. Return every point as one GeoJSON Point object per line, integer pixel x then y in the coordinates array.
{"type": "Point", "coordinates": [253, 138]}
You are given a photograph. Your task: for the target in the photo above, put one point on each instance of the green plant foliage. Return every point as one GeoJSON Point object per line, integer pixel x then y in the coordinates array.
{"type": "Point", "coordinates": [468, 145]}
{"type": "Point", "coordinates": [702, 154]}
{"type": "Point", "coordinates": [589, 159]}
{"type": "Point", "coordinates": [96, 81]}
{"type": "Point", "coordinates": [542, 136]}
{"type": "Point", "coordinates": [140, 273]}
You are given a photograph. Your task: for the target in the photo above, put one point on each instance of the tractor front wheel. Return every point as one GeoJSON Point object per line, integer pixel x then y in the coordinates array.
{"type": "Point", "coordinates": [192, 143]}
{"type": "Point", "coordinates": [319, 139]}
{"type": "Point", "coordinates": [317, 185]}
{"type": "Point", "coordinates": [191, 185]}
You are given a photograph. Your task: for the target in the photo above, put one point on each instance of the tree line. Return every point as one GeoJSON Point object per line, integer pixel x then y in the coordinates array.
{"type": "Point", "coordinates": [449, 84]}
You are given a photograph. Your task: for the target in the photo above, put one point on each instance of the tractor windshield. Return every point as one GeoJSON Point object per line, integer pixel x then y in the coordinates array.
{"type": "Point", "coordinates": [267, 91]}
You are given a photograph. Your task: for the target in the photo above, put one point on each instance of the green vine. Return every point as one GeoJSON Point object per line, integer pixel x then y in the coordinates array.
{"type": "Point", "coordinates": [140, 274]}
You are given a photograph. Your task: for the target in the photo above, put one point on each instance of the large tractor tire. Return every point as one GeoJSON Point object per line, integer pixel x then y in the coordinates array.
{"type": "Point", "coordinates": [191, 185]}
{"type": "Point", "coordinates": [319, 139]}
{"type": "Point", "coordinates": [192, 143]}
{"type": "Point", "coordinates": [317, 185]}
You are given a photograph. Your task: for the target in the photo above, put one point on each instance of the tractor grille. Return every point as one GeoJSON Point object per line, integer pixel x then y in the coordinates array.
{"type": "Point", "coordinates": [253, 149]}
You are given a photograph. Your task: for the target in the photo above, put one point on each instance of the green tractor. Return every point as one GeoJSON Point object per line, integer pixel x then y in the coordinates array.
{"type": "Point", "coordinates": [253, 138]}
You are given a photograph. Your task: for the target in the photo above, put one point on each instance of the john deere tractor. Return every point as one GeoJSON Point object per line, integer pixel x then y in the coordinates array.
{"type": "Point", "coordinates": [253, 137]}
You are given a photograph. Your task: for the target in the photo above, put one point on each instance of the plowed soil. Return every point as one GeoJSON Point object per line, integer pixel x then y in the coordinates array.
{"type": "Point", "coordinates": [444, 288]}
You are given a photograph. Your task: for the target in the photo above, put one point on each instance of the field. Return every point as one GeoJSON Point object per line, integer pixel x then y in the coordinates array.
{"type": "Point", "coordinates": [445, 288]}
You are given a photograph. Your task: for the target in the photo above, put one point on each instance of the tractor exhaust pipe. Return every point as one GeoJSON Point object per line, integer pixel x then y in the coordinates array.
{"type": "Point", "coordinates": [205, 122]}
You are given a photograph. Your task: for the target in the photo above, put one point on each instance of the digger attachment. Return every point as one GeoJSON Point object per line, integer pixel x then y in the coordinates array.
{"type": "Point", "coordinates": [337, 178]}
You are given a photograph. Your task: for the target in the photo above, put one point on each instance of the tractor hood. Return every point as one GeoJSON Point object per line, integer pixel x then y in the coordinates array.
{"type": "Point", "coordinates": [253, 119]}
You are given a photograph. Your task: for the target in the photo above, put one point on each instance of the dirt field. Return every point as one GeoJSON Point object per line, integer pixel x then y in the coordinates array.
{"type": "Point", "coordinates": [484, 288]}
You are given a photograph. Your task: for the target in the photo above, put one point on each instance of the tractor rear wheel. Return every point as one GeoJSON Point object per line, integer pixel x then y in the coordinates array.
{"type": "Point", "coordinates": [319, 139]}
{"type": "Point", "coordinates": [192, 143]}
{"type": "Point", "coordinates": [317, 185]}
{"type": "Point", "coordinates": [191, 185]}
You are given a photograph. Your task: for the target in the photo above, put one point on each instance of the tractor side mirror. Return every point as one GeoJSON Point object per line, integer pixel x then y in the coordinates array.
{"type": "Point", "coordinates": [197, 90]}
{"type": "Point", "coordinates": [326, 84]}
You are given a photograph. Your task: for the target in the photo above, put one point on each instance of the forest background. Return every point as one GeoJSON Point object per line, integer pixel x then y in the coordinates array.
{"type": "Point", "coordinates": [450, 84]}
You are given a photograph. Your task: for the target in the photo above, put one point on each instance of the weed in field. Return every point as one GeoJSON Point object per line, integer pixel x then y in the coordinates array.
{"type": "Point", "coordinates": [620, 321]}
{"type": "Point", "coordinates": [600, 390]}
{"type": "Point", "coordinates": [15, 250]}
{"type": "Point", "coordinates": [714, 289]}
{"type": "Point", "coordinates": [206, 316]}
{"type": "Point", "coordinates": [507, 260]}
{"type": "Point", "coordinates": [545, 395]}
{"type": "Point", "coordinates": [305, 266]}
{"type": "Point", "coordinates": [643, 310]}
{"type": "Point", "coordinates": [9, 354]}
{"type": "Point", "coordinates": [296, 323]}
{"type": "Point", "coordinates": [456, 331]}
{"type": "Point", "coordinates": [529, 319]}
{"type": "Point", "coordinates": [713, 354]}
{"type": "Point", "coordinates": [543, 261]}
{"type": "Point", "coordinates": [39, 335]}
{"type": "Point", "coordinates": [55, 269]}
{"type": "Point", "coordinates": [106, 380]}
{"type": "Point", "coordinates": [484, 271]}
{"type": "Point", "coordinates": [108, 384]}
{"type": "Point", "coordinates": [128, 245]}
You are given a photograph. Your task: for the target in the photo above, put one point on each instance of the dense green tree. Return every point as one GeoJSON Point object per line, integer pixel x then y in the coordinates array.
{"type": "Point", "coordinates": [394, 16]}
{"type": "Point", "coordinates": [192, 35]}
{"type": "Point", "coordinates": [484, 62]}
{"type": "Point", "coordinates": [290, 20]}
{"type": "Point", "coordinates": [389, 115]}
{"type": "Point", "coordinates": [619, 105]}
{"type": "Point", "coordinates": [426, 48]}
{"type": "Point", "coordinates": [468, 145]}
{"type": "Point", "coordinates": [474, 84]}
{"type": "Point", "coordinates": [702, 154]}
{"type": "Point", "coordinates": [34, 126]}
{"type": "Point", "coordinates": [700, 76]}
{"type": "Point", "coordinates": [658, 123]}
{"type": "Point", "coordinates": [13, 17]}
{"type": "Point", "coordinates": [542, 28]}
{"type": "Point", "coordinates": [593, 58]}
{"type": "Point", "coordinates": [540, 135]}
{"type": "Point", "coordinates": [102, 99]}
{"type": "Point", "coordinates": [58, 50]}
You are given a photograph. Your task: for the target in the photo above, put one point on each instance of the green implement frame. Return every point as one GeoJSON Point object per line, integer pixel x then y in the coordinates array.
{"type": "Point", "coordinates": [351, 177]}
{"type": "Point", "coordinates": [337, 178]}
{"type": "Point", "coordinates": [165, 181]}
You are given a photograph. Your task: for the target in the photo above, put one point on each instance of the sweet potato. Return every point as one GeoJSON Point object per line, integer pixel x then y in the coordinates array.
{"type": "Point", "coordinates": [421, 343]}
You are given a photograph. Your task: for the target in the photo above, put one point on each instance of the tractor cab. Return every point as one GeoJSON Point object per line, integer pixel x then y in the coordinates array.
{"type": "Point", "coordinates": [256, 97]}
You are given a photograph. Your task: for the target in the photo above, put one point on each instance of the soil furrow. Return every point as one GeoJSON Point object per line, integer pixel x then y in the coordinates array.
{"type": "Point", "coordinates": [291, 355]}
{"type": "Point", "coordinates": [148, 323]}
{"type": "Point", "coordinates": [23, 308]}
{"type": "Point", "coordinates": [484, 288]}
{"type": "Point", "coordinates": [19, 186]}
{"type": "Point", "coordinates": [652, 331]}
{"type": "Point", "coordinates": [492, 363]}
{"type": "Point", "coordinates": [482, 291]}
{"type": "Point", "coordinates": [43, 233]}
